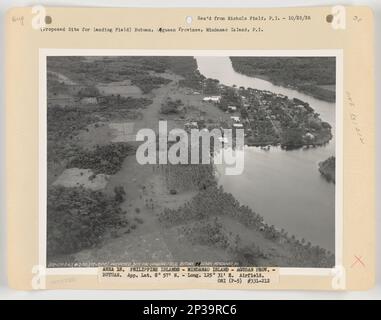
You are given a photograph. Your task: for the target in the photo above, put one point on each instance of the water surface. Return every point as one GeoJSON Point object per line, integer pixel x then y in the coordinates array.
{"type": "Point", "coordinates": [285, 187]}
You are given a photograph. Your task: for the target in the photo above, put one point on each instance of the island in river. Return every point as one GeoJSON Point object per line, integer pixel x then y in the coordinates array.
{"type": "Point", "coordinates": [327, 169]}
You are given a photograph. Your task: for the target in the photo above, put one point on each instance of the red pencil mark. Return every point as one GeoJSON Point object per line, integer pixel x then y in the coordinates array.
{"type": "Point", "coordinates": [358, 260]}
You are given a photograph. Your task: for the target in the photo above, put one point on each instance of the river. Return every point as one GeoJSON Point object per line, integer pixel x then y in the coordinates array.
{"type": "Point", "coordinates": [285, 187]}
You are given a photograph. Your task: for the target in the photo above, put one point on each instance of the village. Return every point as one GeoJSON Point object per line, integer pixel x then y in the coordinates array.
{"type": "Point", "coordinates": [268, 119]}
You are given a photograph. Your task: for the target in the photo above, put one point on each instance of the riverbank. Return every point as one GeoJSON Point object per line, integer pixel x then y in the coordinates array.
{"type": "Point", "coordinates": [307, 208]}
{"type": "Point", "coordinates": [321, 92]}
{"type": "Point", "coordinates": [214, 217]}
{"type": "Point", "coordinates": [314, 76]}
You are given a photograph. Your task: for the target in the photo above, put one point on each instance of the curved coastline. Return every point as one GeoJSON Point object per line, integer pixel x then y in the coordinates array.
{"type": "Point", "coordinates": [265, 151]}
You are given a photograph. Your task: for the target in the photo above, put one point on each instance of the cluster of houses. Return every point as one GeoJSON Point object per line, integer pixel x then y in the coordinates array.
{"type": "Point", "coordinates": [89, 100]}
{"type": "Point", "coordinates": [215, 99]}
{"type": "Point", "coordinates": [236, 122]}
{"type": "Point", "coordinates": [253, 102]}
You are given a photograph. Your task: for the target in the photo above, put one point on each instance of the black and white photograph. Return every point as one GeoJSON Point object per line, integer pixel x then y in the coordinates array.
{"type": "Point", "coordinates": [124, 185]}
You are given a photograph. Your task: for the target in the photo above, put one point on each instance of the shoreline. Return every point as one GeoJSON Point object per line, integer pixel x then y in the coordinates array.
{"type": "Point", "coordinates": [225, 205]}
{"type": "Point", "coordinates": [312, 90]}
{"type": "Point", "coordinates": [315, 95]}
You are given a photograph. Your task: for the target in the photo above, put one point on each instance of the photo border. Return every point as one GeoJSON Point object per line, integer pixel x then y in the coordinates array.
{"type": "Point", "coordinates": [42, 224]}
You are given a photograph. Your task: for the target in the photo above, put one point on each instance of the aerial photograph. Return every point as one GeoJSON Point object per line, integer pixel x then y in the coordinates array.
{"type": "Point", "coordinates": [105, 207]}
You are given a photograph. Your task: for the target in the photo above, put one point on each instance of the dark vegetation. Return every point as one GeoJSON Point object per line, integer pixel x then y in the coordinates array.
{"type": "Point", "coordinates": [148, 82]}
{"type": "Point", "coordinates": [189, 176]}
{"type": "Point", "coordinates": [62, 125]}
{"type": "Point", "coordinates": [211, 232]}
{"type": "Point", "coordinates": [327, 169]}
{"type": "Point", "coordinates": [171, 106]}
{"type": "Point", "coordinates": [206, 232]}
{"type": "Point", "coordinates": [106, 159]}
{"type": "Point", "coordinates": [212, 201]}
{"type": "Point", "coordinates": [248, 255]}
{"type": "Point", "coordinates": [187, 68]}
{"type": "Point", "coordinates": [311, 75]}
{"type": "Point", "coordinates": [229, 97]}
{"type": "Point", "coordinates": [211, 86]}
{"type": "Point", "coordinates": [120, 194]}
{"type": "Point", "coordinates": [292, 138]}
{"type": "Point", "coordinates": [112, 102]}
{"type": "Point", "coordinates": [78, 218]}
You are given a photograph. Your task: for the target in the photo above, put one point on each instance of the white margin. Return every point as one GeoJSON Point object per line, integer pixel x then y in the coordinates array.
{"type": "Point", "coordinates": [338, 53]}
{"type": "Point", "coordinates": [42, 170]}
